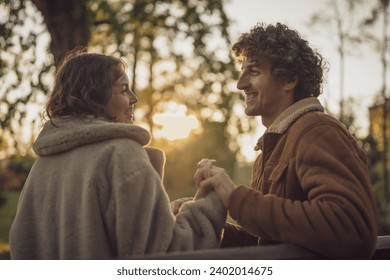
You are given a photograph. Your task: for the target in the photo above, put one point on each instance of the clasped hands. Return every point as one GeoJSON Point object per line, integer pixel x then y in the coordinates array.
{"type": "Point", "coordinates": [209, 177]}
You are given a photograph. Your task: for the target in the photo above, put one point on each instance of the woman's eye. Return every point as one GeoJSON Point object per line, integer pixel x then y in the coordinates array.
{"type": "Point", "coordinates": [124, 91]}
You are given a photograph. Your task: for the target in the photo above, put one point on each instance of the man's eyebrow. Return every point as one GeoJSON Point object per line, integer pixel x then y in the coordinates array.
{"type": "Point", "coordinates": [251, 64]}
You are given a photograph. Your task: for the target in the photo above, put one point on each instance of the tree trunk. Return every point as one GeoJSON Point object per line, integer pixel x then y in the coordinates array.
{"type": "Point", "coordinates": [67, 23]}
{"type": "Point", "coordinates": [341, 52]}
{"type": "Point", "coordinates": [385, 106]}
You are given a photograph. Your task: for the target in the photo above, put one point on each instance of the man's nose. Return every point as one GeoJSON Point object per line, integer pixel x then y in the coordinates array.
{"type": "Point", "coordinates": [242, 82]}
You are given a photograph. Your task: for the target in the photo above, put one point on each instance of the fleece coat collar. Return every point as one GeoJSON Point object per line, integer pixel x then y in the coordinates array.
{"type": "Point", "coordinates": [289, 116]}
{"type": "Point", "coordinates": [64, 134]}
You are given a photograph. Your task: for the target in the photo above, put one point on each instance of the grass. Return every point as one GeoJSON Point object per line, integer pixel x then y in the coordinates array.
{"type": "Point", "coordinates": [7, 214]}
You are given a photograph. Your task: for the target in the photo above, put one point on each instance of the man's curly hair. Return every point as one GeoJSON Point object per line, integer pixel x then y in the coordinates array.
{"type": "Point", "coordinates": [290, 55]}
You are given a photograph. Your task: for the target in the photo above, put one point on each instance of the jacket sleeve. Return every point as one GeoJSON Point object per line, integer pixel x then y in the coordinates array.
{"type": "Point", "coordinates": [339, 218]}
{"type": "Point", "coordinates": [139, 217]}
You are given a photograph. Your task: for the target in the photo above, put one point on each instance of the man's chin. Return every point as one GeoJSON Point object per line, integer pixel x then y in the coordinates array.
{"type": "Point", "coordinates": [250, 113]}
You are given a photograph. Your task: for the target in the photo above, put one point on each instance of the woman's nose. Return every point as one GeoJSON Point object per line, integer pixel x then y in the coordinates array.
{"type": "Point", "coordinates": [133, 98]}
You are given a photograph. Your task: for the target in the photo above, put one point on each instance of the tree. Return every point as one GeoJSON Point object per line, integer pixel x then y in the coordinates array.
{"type": "Point", "coordinates": [379, 116]}
{"type": "Point", "coordinates": [24, 71]}
{"type": "Point", "coordinates": [67, 22]}
{"type": "Point", "coordinates": [340, 19]}
{"type": "Point", "coordinates": [381, 44]}
{"type": "Point", "coordinates": [352, 30]}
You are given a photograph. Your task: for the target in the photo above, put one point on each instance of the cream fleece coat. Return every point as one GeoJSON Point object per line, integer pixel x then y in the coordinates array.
{"type": "Point", "coordinates": [96, 193]}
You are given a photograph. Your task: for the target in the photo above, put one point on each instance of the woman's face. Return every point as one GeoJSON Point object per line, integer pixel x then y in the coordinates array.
{"type": "Point", "coordinates": [121, 103]}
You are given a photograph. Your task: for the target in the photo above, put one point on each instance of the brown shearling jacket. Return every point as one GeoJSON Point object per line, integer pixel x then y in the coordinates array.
{"type": "Point", "coordinates": [310, 186]}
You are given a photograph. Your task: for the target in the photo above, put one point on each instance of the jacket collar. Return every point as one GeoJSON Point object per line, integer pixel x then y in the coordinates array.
{"type": "Point", "coordinates": [63, 134]}
{"type": "Point", "coordinates": [289, 116]}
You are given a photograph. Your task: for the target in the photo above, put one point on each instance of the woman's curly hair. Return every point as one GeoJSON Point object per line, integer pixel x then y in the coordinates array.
{"type": "Point", "coordinates": [83, 84]}
{"type": "Point", "coordinates": [291, 57]}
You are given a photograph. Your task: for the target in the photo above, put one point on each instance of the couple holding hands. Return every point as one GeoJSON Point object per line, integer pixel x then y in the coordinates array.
{"type": "Point", "coordinates": [96, 191]}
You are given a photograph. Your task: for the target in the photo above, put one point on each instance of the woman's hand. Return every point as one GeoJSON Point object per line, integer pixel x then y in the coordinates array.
{"type": "Point", "coordinates": [176, 204]}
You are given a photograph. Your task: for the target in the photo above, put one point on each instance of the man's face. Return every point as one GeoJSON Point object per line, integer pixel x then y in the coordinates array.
{"type": "Point", "coordinates": [264, 95]}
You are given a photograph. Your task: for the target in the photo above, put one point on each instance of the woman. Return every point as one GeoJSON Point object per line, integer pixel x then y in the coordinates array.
{"type": "Point", "coordinates": [95, 191]}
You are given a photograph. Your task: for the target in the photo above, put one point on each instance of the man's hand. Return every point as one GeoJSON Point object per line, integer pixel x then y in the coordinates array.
{"type": "Point", "coordinates": [209, 177]}
{"type": "Point", "coordinates": [203, 170]}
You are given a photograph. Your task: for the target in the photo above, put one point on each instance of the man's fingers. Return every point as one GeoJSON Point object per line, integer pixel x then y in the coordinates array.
{"type": "Point", "coordinates": [206, 186]}
{"type": "Point", "coordinates": [202, 174]}
{"type": "Point", "coordinates": [206, 163]}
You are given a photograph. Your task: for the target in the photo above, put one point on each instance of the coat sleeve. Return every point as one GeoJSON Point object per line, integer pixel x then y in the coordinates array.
{"type": "Point", "coordinates": [199, 224]}
{"type": "Point", "coordinates": [339, 218]}
{"type": "Point", "coordinates": [140, 220]}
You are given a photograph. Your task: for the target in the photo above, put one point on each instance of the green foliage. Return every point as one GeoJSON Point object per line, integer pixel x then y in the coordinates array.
{"type": "Point", "coordinates": [375, 157]}
{"type": "Point", "coordinates": [12, 177]}
{"type": "Point", "coordinates": [383, 207]}
{"type": "Point", "coordinates": [3, 199]}
{"type": "Point", "coordinates": [7, 214]}
{"type": "Point", "coordinates": [21, 165]}
{"type": "Point", "coordinates": [15, 171]}
{"type": "Point", "coordinates": [175, 50]}
{"type": "Point", "coordinates": [170, 41]}
{"type": "Point", "coordinates": [22, 68]}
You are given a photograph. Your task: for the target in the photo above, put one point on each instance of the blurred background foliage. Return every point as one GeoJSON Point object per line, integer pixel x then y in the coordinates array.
{"type": "Point", "coordinates": [171, 57]}
{"type": "Point", "coordinates": [179, 62]}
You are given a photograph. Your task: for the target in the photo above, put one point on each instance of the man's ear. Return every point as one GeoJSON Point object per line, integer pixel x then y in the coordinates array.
{"type": "Point", "coordinates": [290, 85]}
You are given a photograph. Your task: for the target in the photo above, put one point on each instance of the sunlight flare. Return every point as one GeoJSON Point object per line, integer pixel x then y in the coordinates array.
{"type": "Point", "coordinates": [176, 127]}
{"type": "Point", "coordinates": [175, 123]}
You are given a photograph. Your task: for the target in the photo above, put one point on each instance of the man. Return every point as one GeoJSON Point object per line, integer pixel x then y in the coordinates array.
{"type": "Point", "coordinates": [310, 184]}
